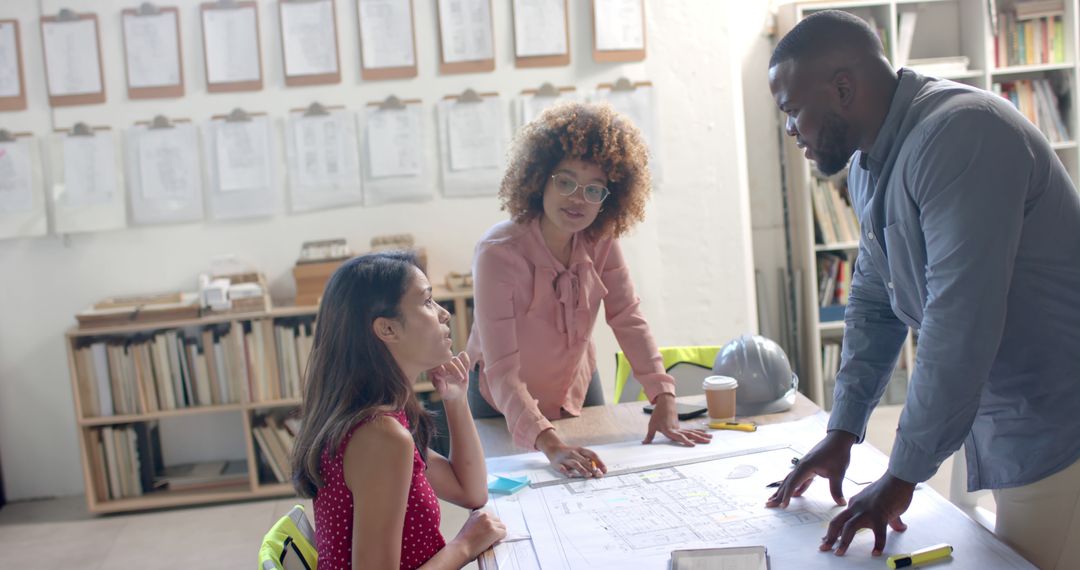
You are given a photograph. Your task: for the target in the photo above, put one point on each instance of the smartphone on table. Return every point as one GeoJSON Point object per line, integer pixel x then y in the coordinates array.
{"type": "Point", "coordinates": [684, 411]}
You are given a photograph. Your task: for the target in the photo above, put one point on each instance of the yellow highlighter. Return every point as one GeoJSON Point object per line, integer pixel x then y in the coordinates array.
{"type": "Point", "coordinates": [737, 426]}
{"type": "Point", "coordinates": [919, 557]}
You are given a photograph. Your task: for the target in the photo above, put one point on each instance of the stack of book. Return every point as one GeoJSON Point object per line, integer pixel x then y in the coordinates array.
{"type": "Point", "coordinates": [1038, 101]}
{"type": "Point", "coordinates": [204, 476]}
{"type": "Point", "coordinates": [1033, 33]}
{"type": "Point", "coordinates": [126, 459]}
{"type": "Point", "coordinates": [834, 284]}
{"type": "Point", "coordinates": [239, 361]}
{"type": "Point", "coordinates": [834, 219]}
{"type": "Point", "coordinates": [274, 436]}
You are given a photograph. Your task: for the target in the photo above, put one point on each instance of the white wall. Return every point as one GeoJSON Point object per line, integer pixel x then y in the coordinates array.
{"type": "Point", "coordinates": [691, 260]}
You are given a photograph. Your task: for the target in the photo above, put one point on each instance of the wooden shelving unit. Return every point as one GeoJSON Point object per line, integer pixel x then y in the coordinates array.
{"type": "Point", "coordinates": [943, 28]}
{"type": "Point", "coordinates": [458, 302]}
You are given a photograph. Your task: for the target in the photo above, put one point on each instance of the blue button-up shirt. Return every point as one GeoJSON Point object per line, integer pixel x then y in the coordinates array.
{"type": "Point", "coordinates": [971, 235]}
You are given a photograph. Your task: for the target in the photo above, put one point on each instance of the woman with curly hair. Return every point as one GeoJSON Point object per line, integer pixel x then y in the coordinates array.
{"type": "Point", "coordinates": [577, 180]}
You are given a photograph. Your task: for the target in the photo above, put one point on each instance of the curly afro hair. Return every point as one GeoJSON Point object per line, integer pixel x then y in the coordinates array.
{"type": "Point", "coordinates": [592, 132]}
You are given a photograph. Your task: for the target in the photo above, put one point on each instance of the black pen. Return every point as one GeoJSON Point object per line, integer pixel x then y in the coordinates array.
{"type": "Point", "coordinates": [775, 484]}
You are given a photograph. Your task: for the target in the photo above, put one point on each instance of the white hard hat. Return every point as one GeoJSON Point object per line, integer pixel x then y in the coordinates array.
{"type": "Point", "coordinates": [766, 383]}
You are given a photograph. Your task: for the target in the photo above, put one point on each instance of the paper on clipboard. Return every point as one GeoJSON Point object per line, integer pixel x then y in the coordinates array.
{"type": "Point", "coordinates": [466, 30]}
{"type": "Point", "coordinates": [619, 25]}
{"type": "Point", "coordinates": [240, 160]}
{"type": "Point", "coordinates": [16, 191]}
{"type": "Point", "coordinates": [163, 165]}
{"type": "Point", "coordinates": [243, 157]}
{"type": "Point", "coordinates": [539, 27]}
{"type": "Point", "coordinates": [152, 49]}
{"type": "Point", "coordinates": [309, 38]}
{"type": "Point", "coordinates": [9, 61]}
{"type": "Point", "coordinates": [386, 33]}
{"type": "Point", "coordinates": [71, 53]}
{"type": "Point", "coordinates": [639, 105]}
{"type": "Point", "coordinates": [323, 157]}
{"type": "Point", "coordinates": [232, 45]}
{"type": "Point", "coordinates": [90, 175]}
{"type": "Point", "coordinates": [473, 130]}
{"type": "Point", "coordinates": [394, 141]}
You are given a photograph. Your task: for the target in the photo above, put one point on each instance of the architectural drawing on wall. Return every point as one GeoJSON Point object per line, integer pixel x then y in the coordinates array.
{"type": "Point", "coordinates": [12, 86]}
{"type": "Point", "coordinates": [152, 55]}
{"type": "Point", "coordinates": [466, 36]}
{"type": "Point", "coordinates": [541, 33]}
{"type": "Point", "coordinates": [73, 70]}
{"type": "Point", "coordinates": [533, 102]}
{"type": "Point", "coordinates": [240, 166]}
{"type": "Point", "coordinates": [395, 170]}
{"type": "Point", "coordinates": [472, 141]}
{"type": "Point", "coordinates": [309, 43]}
{"type": "Point", "coordinates": [323, 158]}
{"type": "Point", "coordinates": [618, 30]}
{"type": "Point", "coordinates": [387, 39]}
{"type": "Point", "coordinates": [637, 100]}
{"type": "Point", "coordinates": [231, 46]}
{"type": "Point", "coordinates": [22, 205]}
{"type": "Point", "coordinates": [164, 171]}
{"type": "Point", "coordinates": [86, 181]}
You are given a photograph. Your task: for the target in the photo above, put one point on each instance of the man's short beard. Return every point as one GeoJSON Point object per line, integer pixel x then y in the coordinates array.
{"type": "Point", "coordinates": [829, 153]}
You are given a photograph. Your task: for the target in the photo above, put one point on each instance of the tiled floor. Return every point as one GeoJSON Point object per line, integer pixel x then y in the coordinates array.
{"type": "Point", "coordinates": [59, 534]}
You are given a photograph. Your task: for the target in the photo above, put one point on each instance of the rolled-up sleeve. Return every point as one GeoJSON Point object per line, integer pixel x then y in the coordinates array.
{"type": "Point", "coordinates": [622, 309]}
{"type": "Point", "coordinates": [496, 318]}
{"type": "Point", "coordinates": [969, 180]}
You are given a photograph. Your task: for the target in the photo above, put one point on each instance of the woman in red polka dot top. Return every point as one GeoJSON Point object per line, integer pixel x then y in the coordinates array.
{"type": "Point", "coordinates": [362, 454]}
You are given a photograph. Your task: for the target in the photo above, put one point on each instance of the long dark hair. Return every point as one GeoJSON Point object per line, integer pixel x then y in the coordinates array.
{"type": "Point", "coordinates": [351, 374]}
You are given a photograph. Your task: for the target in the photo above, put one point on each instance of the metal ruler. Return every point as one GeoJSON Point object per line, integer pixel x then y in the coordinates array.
{"type": "Point", "coordinates": [666, 465]}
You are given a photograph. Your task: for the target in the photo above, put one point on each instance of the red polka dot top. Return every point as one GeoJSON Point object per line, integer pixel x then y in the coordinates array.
{"type": "Point", "coordinates": [420, 538]}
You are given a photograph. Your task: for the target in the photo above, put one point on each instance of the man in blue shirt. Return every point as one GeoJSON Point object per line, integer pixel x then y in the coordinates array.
{"type": "Point", "coordinates": [970, 235]}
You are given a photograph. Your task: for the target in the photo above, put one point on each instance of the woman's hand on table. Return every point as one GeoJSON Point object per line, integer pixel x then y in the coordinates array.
{"type": "Point", "coordinates": [570, 460]}
{"type": "Point", "coordinates": [665, 420]}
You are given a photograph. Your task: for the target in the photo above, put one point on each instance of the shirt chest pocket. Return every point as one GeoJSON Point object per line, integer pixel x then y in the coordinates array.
{"type": "Point", "coordinates": [906, 281]}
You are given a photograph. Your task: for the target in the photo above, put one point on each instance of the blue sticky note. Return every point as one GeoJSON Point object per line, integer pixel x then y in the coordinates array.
{"type": "Point", "coordinates": [507, 485]}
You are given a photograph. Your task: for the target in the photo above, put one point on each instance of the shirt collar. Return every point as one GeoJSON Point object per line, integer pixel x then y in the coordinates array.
{"type": "Point", "coordinates": [906, 89]}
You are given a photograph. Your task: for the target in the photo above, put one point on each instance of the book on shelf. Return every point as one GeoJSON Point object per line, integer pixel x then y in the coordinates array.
{"type": "Point", "coordinates": [140, 309]}
{"type": "Point", "coordinates": [204, 475]}
{"type": "Point", "coordinates": [274, 440]}
{"type": "Point", "coordinates": [834, 218]}
{"type": "Point", "coordinates": [125, 460]}
{"type": "Point", "coordinates": [1026, 36]}
{"type": "Point", "coordinates": [1039, 101]}
{"type": "Point", "coordinates": [945, 66]}
{"type": "Point", "coordinates": [834, 279]}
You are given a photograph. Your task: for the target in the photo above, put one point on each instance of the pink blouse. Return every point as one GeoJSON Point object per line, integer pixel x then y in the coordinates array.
{"type": "Point", "coordinates": [532, 333]}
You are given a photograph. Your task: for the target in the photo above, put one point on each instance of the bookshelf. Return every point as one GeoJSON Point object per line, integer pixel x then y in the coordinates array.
{"type": "Point", "coordinates": [120, 448]}
{"type": "Point", "coordinates": [957, 38]}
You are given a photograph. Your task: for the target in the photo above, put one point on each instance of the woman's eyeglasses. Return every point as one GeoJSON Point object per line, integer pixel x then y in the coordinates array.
{"type": "Point", "coordinates": [566, 186]}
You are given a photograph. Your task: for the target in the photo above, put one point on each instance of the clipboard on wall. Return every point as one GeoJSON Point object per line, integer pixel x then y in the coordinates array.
{"type": "Point", "coordinates": [617, 55]}
{"type": "Point", "coordinates": [81, 90]}
{"type": "Point", "coordinates": [473, 66]}
{"type": "Point", "coordinates": [318, 78]}
{"type": "Point", "coordinates": [378, 73]}
{"type": "Point", "coordinates": [556, 60]}
{"type": "Point", "coordinates": [17, 101]}
{"type": "Point", "coordinates": [253, 80]}
{"type": "Point", "coordinates": [148, 10]}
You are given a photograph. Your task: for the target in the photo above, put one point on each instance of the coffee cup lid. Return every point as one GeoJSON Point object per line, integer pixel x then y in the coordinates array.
{"type": "Point", "coordinates": [720, 383]}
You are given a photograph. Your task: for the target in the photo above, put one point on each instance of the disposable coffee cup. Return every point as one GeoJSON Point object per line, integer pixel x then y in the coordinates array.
{"type": "Point", "coordinates": [720, 396]}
